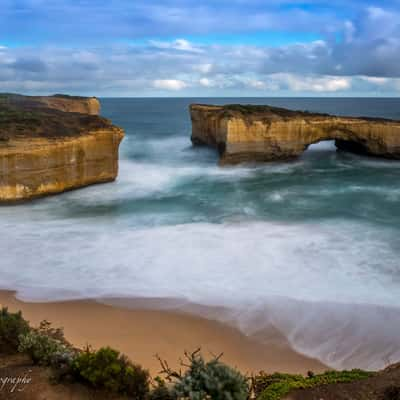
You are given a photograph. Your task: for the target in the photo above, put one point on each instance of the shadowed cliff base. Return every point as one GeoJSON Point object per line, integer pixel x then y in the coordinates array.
{"type": "Point", "coordinates": [52, 144]}
{"type": "Point", "coordinates": [251, 133]}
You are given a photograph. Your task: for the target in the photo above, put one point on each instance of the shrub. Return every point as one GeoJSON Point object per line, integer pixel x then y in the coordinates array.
{"type": "Point", "coordinates": [12, 325]}
{"type": "Point", "coordinates": [207, 380]}
{"type": "Point", "coordinates": [107, 369]}
{"type": "Point", "coordinates": [161, 391]}
{"type": "Point", "coordinates": [276, 386]}
{"type": "Point", "coordinates": [46, 346]}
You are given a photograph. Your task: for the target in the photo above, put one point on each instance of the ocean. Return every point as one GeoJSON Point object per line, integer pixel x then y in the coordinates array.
{"type": "Point", "coordinates": [311, 246]}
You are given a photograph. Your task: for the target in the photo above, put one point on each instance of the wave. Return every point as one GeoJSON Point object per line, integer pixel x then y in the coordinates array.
{"type": "Point", "coordinates": [250, 268]}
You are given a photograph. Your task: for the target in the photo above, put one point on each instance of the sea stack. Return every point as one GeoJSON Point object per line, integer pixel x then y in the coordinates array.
{"type": "Point", "coordinates": [250, 133]}
{"type": "Point", "coordinates": [52, 144]}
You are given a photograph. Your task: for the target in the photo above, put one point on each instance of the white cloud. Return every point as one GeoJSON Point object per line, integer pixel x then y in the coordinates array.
{"type": "Point", "coordinates": [178, 44]}
{"type": "Point", "coordinates": [299, 83]}
{"type": "Point", "coordinates": [206, 82]}
{"type": "Point", "coordinates": [375, 80]}
{"type": "Point", "coordinates": [376, 12]}
{"type": "Point", "coordinates": [169, 84]}
{"type": "Point", "coordinates": [349, 31]}
{"type": "Point", "coordinates": [203, 68]}
{"type": "Point", "coordinates": [256, 84]}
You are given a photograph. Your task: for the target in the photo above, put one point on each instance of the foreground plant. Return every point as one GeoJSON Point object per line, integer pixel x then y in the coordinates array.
{"type": "Point", "coordinates": [47, 346]}
{"type": "Point", "coordinates": [161, 391]}
{"type": "Point", "coordinates": [276, 386]}
{"type": "Point", "coordinates": [107, 369]}
{"type": "Point", "coordinates": [12, 325]}
{"type": "Point", "coordinates": [206, 379]}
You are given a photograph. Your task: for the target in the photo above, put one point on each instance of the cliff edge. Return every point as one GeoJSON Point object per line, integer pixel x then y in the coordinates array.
{"type": "Point", "coordinates": [263, 133]}
{"type": "Point", "coordinates": [52, 144]}
{"type": "Point", "coordinates": [61, 102]}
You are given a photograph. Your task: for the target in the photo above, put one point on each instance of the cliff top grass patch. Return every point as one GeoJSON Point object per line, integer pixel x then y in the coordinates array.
{"type": "Point", "coordinates": [20, 117]}
{"type": "Point", "coordinates": [276, 386]}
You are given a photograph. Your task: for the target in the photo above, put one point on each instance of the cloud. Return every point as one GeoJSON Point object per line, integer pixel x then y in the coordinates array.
{"type": "Point", "coordinates": [206, 82]}
{"type": "Point", "coordinates": [314, 83]}
{"type": "Point", "coordinates": [99, 21]}
{"type": "Point", "coordinates": [358, 53]}
{"type": "Point", "coordinates": [375, 80]}
{"type": "Point", "coordinates": [169, 84]}
{"type": "Point", "coordinates": [129, 70]}
{"type": "Point", "coordinates": [178, 44]}
{"type": "Point", "coordinates": [203, 68]}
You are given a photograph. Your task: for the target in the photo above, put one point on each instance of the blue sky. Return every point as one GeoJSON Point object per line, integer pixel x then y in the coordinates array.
{"type": "Point", "coordinates": [200, 48]}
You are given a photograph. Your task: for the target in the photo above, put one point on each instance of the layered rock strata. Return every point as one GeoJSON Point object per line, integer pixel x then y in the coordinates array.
{"type": "Point", "coordinates": [262, 133]}
{"type": "Point", "coordinates": [46, 151]}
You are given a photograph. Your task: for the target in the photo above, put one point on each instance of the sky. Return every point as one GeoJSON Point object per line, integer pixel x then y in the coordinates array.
{"type": "Point", "coordinates": [258, 48]}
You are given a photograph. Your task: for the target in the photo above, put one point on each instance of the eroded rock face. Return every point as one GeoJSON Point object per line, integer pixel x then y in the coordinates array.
{"type": "Point", "coordinates": [263, 133]}
{"type": "Point", "coordinates": [46, 151]}
{"type": "Point", "coordinates": [83, 105]}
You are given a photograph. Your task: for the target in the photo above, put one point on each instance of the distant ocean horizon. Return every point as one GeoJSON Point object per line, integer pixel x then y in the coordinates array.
{"type": "Point", "coordinates": [311, 246]}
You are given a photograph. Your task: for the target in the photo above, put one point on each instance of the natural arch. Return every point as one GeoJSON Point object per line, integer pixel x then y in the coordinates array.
{"type": "Point", "coordinates": [263, 133]}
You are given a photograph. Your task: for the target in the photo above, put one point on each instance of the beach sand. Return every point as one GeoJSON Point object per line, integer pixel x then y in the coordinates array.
{"type": "Point", "coordinates": [136, 328]}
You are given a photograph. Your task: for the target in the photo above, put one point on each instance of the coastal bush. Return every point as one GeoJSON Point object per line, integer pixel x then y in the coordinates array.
{"type": "Point", "coordinates": [12, 325]}
{"type": "Point", "coordinates": [107, 369]}
{"type": "Point", "coordinates": [47, 346]}
{"type": "Point", "coordinates": [161, 391]}
{"type": "Point", "coordinates": [276, 386]}
{"type": "Point", "coordinates": [207, 380]}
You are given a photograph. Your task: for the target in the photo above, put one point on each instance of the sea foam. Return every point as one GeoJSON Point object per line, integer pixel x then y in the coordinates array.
{"type": "Point", "coordinates": [261, 271]}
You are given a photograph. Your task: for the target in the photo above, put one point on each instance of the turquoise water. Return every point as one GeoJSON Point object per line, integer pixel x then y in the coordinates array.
{"type": "Point", "coordinates": [310, 245]}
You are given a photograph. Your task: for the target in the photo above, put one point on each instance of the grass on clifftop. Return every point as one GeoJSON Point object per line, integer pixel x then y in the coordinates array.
{"type": "Point", "coordinates": [253, 109]}
{"type": "Point", "coordinates": [276, 386]}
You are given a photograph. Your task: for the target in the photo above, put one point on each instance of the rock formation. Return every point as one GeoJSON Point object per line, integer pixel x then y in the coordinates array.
{"type": "Point", "coordinates": [61, 102]}
{"type": "Point", "coordinates": [263, 133]}
{"type": "Point", "coordinates": [44, 150]}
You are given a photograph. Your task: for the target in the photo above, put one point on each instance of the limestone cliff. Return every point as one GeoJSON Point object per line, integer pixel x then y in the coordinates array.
{"type": "Point", "coordinates": [83, 105]}
{"type": "Point", "coordinates": [44, 150]}
{"type": "Point", "coordinates": [263, 133]}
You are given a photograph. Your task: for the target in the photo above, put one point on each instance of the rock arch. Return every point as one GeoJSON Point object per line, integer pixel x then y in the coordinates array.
{"type": "Point", "coordinates": [263, 133]}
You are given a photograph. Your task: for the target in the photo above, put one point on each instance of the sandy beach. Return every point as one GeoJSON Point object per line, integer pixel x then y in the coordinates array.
{"type": "Point", "coordinates": [142, 332]}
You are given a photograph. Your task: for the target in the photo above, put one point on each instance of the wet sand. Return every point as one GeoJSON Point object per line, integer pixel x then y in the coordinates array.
{"type": "Point", "coordinates": [137, 328]}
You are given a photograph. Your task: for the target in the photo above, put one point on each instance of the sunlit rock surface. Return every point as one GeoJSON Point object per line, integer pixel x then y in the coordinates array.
{"type": "Point", "coordinates": [45, 151]}
{"type": "Point", "coordinates": [262, 133]}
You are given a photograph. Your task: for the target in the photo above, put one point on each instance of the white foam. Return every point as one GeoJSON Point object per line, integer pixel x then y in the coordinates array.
{"type": "Point", "coordinates": [140, 179]}
{"type": "Point", "coordinates": [251, 260]}
{"type": "Point", "coordinates": [325, 145]}
{"type": "Point", "coordinates": [229, 265]}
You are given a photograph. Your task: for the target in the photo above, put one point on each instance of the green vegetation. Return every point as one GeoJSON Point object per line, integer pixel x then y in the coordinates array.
{"type": "Point", "coordinates": [161, 391]}
{"type": "Point", "coordinates": [46, 346]}
{"type": "Point", "coordinates": [67, 96]}
{"type": "Point", "coordinates": [12, 325]}
{"type": "Point", "coordinates": [206, 380]}
{"type": "Point", "coordinates": [276, 386]}
{"type": "Point", "coordinates": [249, 109]}
{"type": "Point", "coordinates": [9, 115]}
{"type": "Point", "coordinates": [107, 369]}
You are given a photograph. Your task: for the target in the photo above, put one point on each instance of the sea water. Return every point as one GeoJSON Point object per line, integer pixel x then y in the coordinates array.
{"type": "Point", "coordinates": [311, 246]}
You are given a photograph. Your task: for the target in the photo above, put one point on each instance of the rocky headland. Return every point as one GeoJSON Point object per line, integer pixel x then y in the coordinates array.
{"type": "Point", "coordinates": [247, 133]}
{"type": "Point", "coordinates": [52, 144]}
